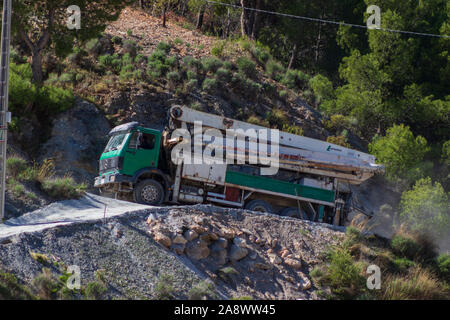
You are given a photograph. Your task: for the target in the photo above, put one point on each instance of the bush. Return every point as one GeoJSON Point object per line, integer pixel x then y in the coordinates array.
{"type": "Point", "coordinates": [129, 32]}
{"type": "Point", "coordinates": [210, 85]}
{"type": "Point", "coordinates": [173, 77]}
{"type": "Point", "coordinates": [339, 140]}
{"type": "Point", "coordinates": [202, 291]}
{"type": "Point", "coordinates": [54, 99]}
{"type": "Point", "coordinates": [63, 188]}
{"type": "Point", "coordinates": [164, 288]}
{"type": "Point", "coordinates": [277, 117]}
{"type": "Point", "coordinates": [443, 264]}
{"type": "Point", "coordinates": [274, 69]}
{"type": "Point", "coordinates": [419, 284]}
{"type": "Point", "coordinates": [93, 46]}
{"type": "Point", "coordinates": [178, 41]}
{"type": "Point", "coordinates": [322, 88]}
{"type": "Point", "coordinates": [261, 55]}
{"type": "Point", "coordinates": [224, 75]}
{"type": "Point", "coordinates": [191, 85]}
{"type": "Point", "coordinates": [344, 275]}
{"type": "Point", "coordinates": [292, 129]}
{"type": "Point", "coordinates": [10, 289]}
{"type": "Point", "coordinates": [45, 284]}
{"type": "Point", "coordinates": [211, 64]}
{"type": "Point", "coordinates": [246, 66]}
{"type": "Point", "coordinates": [95, 290]}
{"type": "Point", "coordinates": [405, 247]}
{"type": "Point", "coordinates": [402, 265]}
{"type": "Point", "coordinates": [164, 46]}
{"type": "Point", "coordinates": [425, 208]}
{"type": "Point", "coordinates": [283, 94]}
{"type": "Point", "coordinates": [228, 65]}
{"type": "Point", "coordinates": [15, 166]}
{"type": "Point", "coordinates": [258, 121]}
{"type": "Point", "coordinates": [400, 151]}
{"type": "Point", "coordinates": [116, 40]}
{"type": "Point", "coordinates": [190, 75]}
{"type": "Point", "coordinates": [218, 49]}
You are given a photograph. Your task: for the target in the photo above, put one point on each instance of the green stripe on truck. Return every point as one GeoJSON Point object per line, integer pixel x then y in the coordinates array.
{"type": "Point", "coordinates": [263, 183]}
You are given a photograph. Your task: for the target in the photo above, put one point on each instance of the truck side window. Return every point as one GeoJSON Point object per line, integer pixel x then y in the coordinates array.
{"type": "Point", "coordinates": [147, 142]}
{"type": "Point", "coordinates": [133, 141]}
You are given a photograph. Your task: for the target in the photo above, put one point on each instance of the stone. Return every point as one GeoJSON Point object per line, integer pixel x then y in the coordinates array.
{"type": "Point", "coordinates": [197, 250]}
{"type": "Point", "coordinates": [306, 283]}
{"type": "Point", "coordinates": [162, 239]}
{"type": "Point", "coordinates": [253, 255]}
{"type": "Point", "coordinates": [151, 219]}
{"type": "Point", "coordinates": [198, 229]}
{"type": "Point", "coordinates": [239, 242]}
{"type": "Point", "coordinates": [274, 259]}
{"type": "Point", "coordinates": [178, 248]}
{"type": "Point", "coordinates": [179, 239]}
{"type": "Point", "coordinates": [222, 243]}
{"type": "Point", "coordinates": [190, 235]}
{"type": "Point", "coordinates": [284, 253]}
{"type": "Point", "coordinates": [274, 243]}
{"type": "Point", "coordinates": [220, 255]}
{"type": "Point", "coordinates": [262, 266]}
{"type": "Point", "coordinates": [227, 233]}
{"type": "Point", "coordinates": [237, 253]}
{"type": "Point", "coordinates": [293, 263]}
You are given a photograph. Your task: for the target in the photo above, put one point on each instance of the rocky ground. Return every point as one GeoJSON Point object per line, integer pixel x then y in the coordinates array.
{"type": "Point", "coordinates": [244, 254]}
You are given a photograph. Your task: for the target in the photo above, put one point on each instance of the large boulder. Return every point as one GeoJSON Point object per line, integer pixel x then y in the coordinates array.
{"type": "Point", "coordinates": [77, 140]}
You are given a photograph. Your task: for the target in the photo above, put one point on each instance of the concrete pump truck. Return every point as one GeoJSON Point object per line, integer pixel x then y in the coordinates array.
{"type": "Point", "coordinates": [310, 180]}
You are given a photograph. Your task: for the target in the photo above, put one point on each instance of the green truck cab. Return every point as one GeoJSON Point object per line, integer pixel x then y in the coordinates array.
{"type": "Point", "coordinates": [132, 163]}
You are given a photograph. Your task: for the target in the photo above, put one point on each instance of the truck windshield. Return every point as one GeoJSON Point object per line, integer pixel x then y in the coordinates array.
{"type": "Point", "coordinates": [115, 142]}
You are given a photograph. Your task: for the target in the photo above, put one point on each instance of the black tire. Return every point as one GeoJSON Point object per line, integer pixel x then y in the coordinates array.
{"type": "Point", "coordinates": [291, 212]}
{"type": "Point", "coordinates": [149, 192]}
{"type": "Point", "coordinates": [259, 205]}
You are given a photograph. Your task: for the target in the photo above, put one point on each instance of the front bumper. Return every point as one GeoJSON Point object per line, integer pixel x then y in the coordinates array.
{"type": "Point", "coordinates": [111, 178]}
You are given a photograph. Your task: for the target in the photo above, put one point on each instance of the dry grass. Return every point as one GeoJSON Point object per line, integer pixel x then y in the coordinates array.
{"type": "Point", "coordinates": [419, 284]}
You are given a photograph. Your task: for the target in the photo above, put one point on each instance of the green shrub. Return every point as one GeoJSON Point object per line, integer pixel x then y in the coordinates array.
{"type": "Point", "coordinates": [210, 85]}
{"type": "Point", "coordinates": [340, 140]}
{"type": "Point", "coordinates": [140, 58]}
{"type": "Point", "coordinates": [258, 121]}
{"type": "Point", "coordinates": [246, 66]}
{"type": "Point", "coordinates": [202, 291]}
{"type": "Point", "coordinates": [218, 49]}
{"type": "Point", "coordinates": [16, 57]}
{"type": "Point", "coordinates": [129, 32]}
{"type": "Point", "coordinates": [277, 117]}
{"type": "Point", "coordinates": [344, 275]}
{"type": "Point", "coordinates": [274, 69]}
{"type": "Point", "coordinates": [173, 77]}
{"type": "Point", "coordinates": [164, 46]}
{"type": "Point", "coordinates": [66, 77]}
{"type": "Point", "coordinates": [95, 290]}
{"type": "Point", "coordinates": [46, 285]}
{"type": "Point", "coordinates": [402, 265]}
{"type": "Point", "coordinates": [63, 188]}
{"type": "Point", "coordinates": [15, 166]}
{"type": "Point", "coordinates": [425, 208]}
{"type": "Point", "coordinates": [228, 65]}
{"type": "Point", "coordinates": [191, 75]}
{"type": "Point", "coordinates": [295, 79]}
{"type": "Point", "coordinates": [191, 85]}
{"type": "Point", "coordinates": [127, 59]}
{"type": "Point", "coordinates": [322, 88]}
{"type": "Point", "coordinates": [292, 129]}
{"type": "Point", "coordinates": [172, 61]}
{"type": "Point", "coordinates": [211, 64]}
{"type": "Point", "coordinates": [93, 46]}
{"type": "Point", "coordinates": [116, 40]}
{"type": "Point", "coordinates": [261, 55]}
{"type": "Point", "coordinates": [283, 94]}
{"type": "Point", "coordinates": [178, 41]}
{"type": "Point", "coordinates": [443, 264]}
{"type": "Point", "coordinates": [164, 287]}
{"type": "Point", "coordinates": [405, 247]}
{"type": "Point", "coordinates": [10, 289]}
{"type": "Point", "coordinates": [400, 151]}
{"type": "Point", "coordinates": [54, 99]}
{"type": "Point", "coordinates": [224, 75]}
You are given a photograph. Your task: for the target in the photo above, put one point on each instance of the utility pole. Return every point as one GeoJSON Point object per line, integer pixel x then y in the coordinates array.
{"type": "Point", "coordinates": [5, 116]}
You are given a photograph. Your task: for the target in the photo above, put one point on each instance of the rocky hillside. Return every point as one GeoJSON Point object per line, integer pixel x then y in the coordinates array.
{"type": "Point", "coordinates": [175, 252]}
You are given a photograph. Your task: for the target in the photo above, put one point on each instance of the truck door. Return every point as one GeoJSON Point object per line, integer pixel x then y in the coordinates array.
{"type": "Point", "coordinates": [141, 152]}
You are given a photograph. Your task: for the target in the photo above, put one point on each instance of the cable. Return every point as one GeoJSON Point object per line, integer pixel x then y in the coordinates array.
{"type": "Point", "coordinates": [327, 21]}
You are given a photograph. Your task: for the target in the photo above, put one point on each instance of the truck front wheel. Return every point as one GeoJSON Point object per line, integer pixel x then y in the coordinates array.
{"type": "Point", "coordinates": [149, 192]}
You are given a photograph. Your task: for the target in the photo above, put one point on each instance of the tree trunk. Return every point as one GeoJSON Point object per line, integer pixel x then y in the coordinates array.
{"type": "Point", "coordinates": [164, 16]}
{"type": "Point", "coordinates": [255, 27]}
{"type": "Point", "coordinates": [201, 14]}
{"type": "Point", "coordinates": [228, 25]}
{"type": "Point", "coordinates": [36, 66]}
{"type": "Point", "coordinates": [293, 56]}
{"type": "Point", "coordinates": [244, 19]}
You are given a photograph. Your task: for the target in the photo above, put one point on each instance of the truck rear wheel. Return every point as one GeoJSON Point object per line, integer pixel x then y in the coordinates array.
{"type": "Point", "coordinates": [149, 192]}
{"type": "Point", "coordinates": [259, 205]}
{"type": "Point", "coordinates": [291, 212]}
